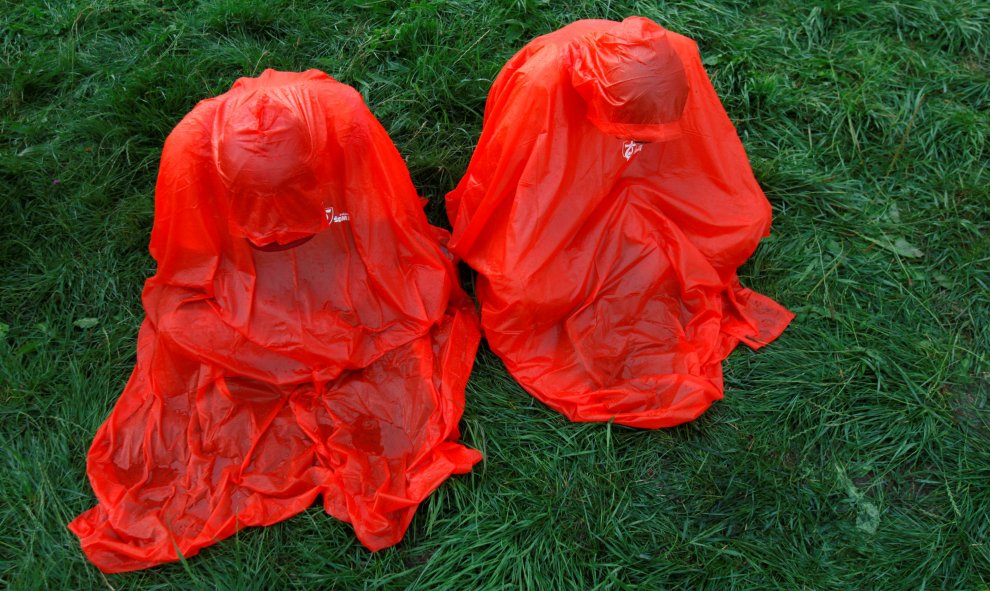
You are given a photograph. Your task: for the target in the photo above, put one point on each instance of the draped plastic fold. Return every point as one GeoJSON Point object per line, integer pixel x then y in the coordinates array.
{"type": "Point", "coordinates": [304, 334]}
{"type": "Point", "coordinates": [606, 210]}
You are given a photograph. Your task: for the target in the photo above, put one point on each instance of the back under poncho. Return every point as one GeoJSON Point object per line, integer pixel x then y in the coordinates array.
{"type": "Point", "coordinates": [304, 334]}
{"type": "Point", "coordinates": [606, 210]}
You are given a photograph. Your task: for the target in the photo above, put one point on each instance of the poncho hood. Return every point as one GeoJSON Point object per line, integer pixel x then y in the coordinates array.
{"type": "Point", "coordinates": [270, 147]}
{"type": "Point", "coordinates": [632, 80]}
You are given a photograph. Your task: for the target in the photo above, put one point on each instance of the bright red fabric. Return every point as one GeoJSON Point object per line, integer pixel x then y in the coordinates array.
{"type": "Point", "coordinates": [606, 210]}
{"type": "Point", "coordinates": [305, 334]}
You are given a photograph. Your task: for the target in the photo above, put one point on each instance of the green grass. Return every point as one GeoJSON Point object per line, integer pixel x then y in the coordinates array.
{"type": "Point", "coordinates": [853, 453]}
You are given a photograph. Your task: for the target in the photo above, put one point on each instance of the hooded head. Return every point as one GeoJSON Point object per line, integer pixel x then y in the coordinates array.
{"type": "Point", "coordinates": [267, 153]}
{"type": "Point", "coordinates": [632, 81]}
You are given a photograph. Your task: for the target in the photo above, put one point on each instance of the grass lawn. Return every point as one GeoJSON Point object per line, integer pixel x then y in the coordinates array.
{"type": "Point", "coordinates": [852, 453]}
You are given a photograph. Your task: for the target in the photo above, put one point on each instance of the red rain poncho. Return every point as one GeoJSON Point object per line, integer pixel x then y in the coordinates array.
{"type": "Point", "coordinates": [305, 334]}
{"type": "Point", "coordinates": [606, 209]}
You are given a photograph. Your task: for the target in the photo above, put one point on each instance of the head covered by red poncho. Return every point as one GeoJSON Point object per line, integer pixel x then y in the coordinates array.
{"type": "Point", "coordinates": [606, 210]}
{"type": "Point", "coordinates": [304, 334]}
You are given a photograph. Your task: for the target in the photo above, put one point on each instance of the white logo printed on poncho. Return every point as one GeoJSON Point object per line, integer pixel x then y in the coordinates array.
{"type": "Point", "coordinates": [337, 218]}
{"type": "Point", "coordinates": [631, 148]}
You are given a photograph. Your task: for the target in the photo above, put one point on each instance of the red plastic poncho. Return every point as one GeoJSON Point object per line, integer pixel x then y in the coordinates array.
{"type": "Point", "coordinates": [305, 334]}
{"type": "Point", "coordinates": [606, 209]}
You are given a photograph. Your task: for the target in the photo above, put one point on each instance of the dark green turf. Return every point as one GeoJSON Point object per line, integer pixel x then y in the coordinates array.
{"type": "Point", "coordinates": [853, 453]}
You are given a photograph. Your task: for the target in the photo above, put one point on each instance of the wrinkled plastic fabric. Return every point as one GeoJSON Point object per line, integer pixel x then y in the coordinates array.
{"type": "Point", "coordinates": [304, 334]}
{"type": "Point", "coordinates": [606, 209]}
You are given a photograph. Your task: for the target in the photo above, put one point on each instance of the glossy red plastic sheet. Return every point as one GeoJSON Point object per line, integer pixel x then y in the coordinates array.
{"type": "Point", "coordinates": [305, 334]}
{"type": "Point", "coordinates": [606, 210]}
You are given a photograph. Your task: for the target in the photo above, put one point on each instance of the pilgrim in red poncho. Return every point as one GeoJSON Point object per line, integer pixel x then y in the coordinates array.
{"type": "Point", "coordinates": [606, 210]}
{"type": "Point", "coordinates": [305, 334]}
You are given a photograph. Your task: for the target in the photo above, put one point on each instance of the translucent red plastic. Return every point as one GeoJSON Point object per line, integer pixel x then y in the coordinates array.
{"type": "Point", "coordinates": [305, 334]}
{"type": "Point", "coordinates": [606, 209]}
